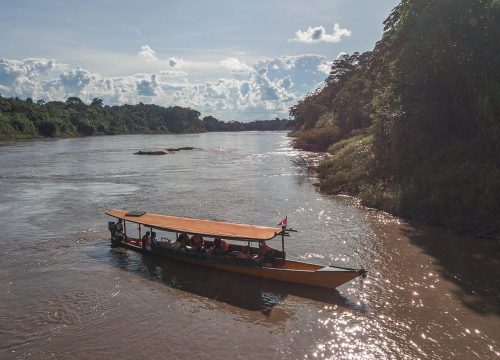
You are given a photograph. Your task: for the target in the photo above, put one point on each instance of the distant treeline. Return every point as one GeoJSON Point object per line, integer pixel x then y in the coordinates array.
{"type": "Point", "coordinates": [413, 127]}
{"type": "Point", "coordinates": [27, 119]}
{"type": "Point", "coordinates": [212, 124]}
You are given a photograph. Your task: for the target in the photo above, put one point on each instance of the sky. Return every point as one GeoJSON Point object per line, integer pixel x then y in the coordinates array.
{"type": "Point", "coordinates": [235, 60]}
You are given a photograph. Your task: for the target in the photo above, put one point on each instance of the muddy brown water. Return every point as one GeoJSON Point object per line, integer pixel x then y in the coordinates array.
{"type": "Point", "coordinates": [65, 293]}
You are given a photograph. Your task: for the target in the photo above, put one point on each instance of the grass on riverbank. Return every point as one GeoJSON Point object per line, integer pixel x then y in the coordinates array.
{"type": "Point", "coordinates": [316, 139]}
{"type": "Point", "coordinates": [347, 167]}
{"type": "Point", "coordinates": [350, 170]}
{"type": "Point", "coordinates": [423, 194]}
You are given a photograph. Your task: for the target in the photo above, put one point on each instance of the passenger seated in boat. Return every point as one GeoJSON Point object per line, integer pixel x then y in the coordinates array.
{"type": "Point", "coordinates": [265, 252]}
{"type": "Point", "coordinates": [197, 242]}
{"type": "Point", "coordinates": [153, 241]}
{"type": "Point", "coordinates": [145, 241]}
{"type": "Point", "coordinates": [245, 253]}
{"type": "Point", "coordinates": [182, 241]}
{"type": "Point", "coordinates": [119, 230]}
{"type": "Point", "coordinates": [220, 246]}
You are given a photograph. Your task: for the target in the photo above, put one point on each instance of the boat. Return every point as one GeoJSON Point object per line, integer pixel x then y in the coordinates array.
{"type": "Point", "coordinates": [245, 250]}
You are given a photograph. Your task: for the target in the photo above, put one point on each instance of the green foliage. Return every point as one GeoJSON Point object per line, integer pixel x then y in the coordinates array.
{"type": "Point", "coordinates": [97, 102]}
{"type": "Point", "coordinates": [212, 124]}
{"type": "Point", "coordinates": [85, 128]}
{"type": "Point", "coordinates": [379, 195]}
{"type": "Point", "coordinates": [429, 94]}
{"type": "Point", "coordinates": [436, 129]}
{"type": "Point", "coordinates": [326, 120]}
{"type": "Point", "coordinates": [348, 166]}
{"type": "Point", "coordinates": [73, 117]}
{"type": "Point", "coordinates": [21, 124]}
{"type": "Point", "coordinates": [5, 126]}
{"type": "Point", "coordinates": [316, 139]}
{"type": "Point", "coordinates": [308, 110]}
{"type": "Point", "coordinates": [344, 102]}
{"type": "Point", "coordinates": [48, 128]}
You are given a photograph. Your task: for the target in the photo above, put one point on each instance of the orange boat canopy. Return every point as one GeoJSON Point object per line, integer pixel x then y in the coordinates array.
{"type": "Point", "coordinates": [196, 226]}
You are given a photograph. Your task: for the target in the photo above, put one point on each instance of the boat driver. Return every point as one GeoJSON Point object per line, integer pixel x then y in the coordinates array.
{"type": "Point", "coordinates": [119, 230]}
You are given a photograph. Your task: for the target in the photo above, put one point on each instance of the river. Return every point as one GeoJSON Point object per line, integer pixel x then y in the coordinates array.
{"type": "Point", "coordinates": [66, 294]}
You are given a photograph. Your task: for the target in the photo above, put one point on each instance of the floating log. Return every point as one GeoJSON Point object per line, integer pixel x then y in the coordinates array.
{"type": "Point", "coordinates": [159, 152]}
{"type": "Point", "coordinates": [180, 148]}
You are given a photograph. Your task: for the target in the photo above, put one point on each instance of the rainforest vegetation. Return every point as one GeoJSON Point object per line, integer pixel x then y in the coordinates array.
{"type": "Point", "coordinates": [413, 127]}
{"type": "Point", "coordinates": [26, 119]}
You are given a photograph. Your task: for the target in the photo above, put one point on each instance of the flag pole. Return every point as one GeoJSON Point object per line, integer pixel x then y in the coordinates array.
{"type": "Point", "coordinates": [283, 240]}
{"type": "Point", "coordinates": [283, 227]}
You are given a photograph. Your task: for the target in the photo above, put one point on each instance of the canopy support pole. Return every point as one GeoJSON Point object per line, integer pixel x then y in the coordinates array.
{"type": "Point", "coordinates": [283, 239]}
{"type": "Point", "coordinates": [140, 237]}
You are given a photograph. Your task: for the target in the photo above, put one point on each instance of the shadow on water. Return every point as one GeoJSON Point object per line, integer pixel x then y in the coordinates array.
{"type": "Point", "coordinates": [238, 290]}
{"type": "Point", "coordinates": [472, 264]}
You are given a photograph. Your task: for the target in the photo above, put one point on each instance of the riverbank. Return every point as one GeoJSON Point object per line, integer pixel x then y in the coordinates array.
{"type": "Point", "coordinates": [350, 168]}
{"type": "Point", "coordinates": [21, 137]}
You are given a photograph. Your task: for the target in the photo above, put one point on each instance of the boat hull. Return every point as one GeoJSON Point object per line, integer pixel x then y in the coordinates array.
{"type": "Point", "coordinates": [291, 272]}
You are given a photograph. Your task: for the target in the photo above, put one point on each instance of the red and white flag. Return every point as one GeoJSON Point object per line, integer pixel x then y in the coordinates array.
{"type": "Point", "coordinates": [283, 222]}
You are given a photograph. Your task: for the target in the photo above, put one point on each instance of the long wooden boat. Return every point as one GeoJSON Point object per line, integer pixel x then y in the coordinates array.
{"type": "Point", "coordinates": [273, 265]}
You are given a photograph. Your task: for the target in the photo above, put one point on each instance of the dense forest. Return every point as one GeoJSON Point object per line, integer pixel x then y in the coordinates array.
{"type": "Point", "coordinates": [27, 119]}
{"type": "Point", "coordinates": [413, 127]}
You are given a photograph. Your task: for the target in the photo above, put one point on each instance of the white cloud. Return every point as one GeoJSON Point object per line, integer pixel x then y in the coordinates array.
{"type": "Point", "coordinates": [12, 70]}
{"type": "Point", "coordinates": [172, 73]}
{"type": "Point", "coordinates": [305, 71]}
{"type": "Point", "coordinates": [265, 90]}
{"type": "Point", "coordinates": [236, 66]}
{"type": "Point", "coordinates": [147, 54]}
{"type": "Point", "coordinates": [74, 81]}
{"type": "Point", "coordinates": [21, 77]}
{"type": "Point", "coordinates": [148, 87]}
{"type": "Point", "coordinates": [172, 62]}
{"type": "Point", "coordinates": [268, 90]}
{"type": "Point", "coordinates": [319, 34]}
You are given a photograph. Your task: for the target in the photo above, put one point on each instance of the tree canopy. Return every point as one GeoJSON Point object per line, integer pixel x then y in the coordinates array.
{"type": "Point", "coordinates": [427, 101]}
{"type": "Point", "coordinates": [25, 118]}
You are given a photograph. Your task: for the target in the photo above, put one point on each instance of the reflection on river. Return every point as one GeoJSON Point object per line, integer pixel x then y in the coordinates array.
{"type": "Point", "coordinates": [256, 295]}
{"type": "Point", "coordinates": [66, 293]}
